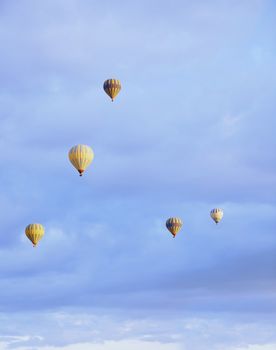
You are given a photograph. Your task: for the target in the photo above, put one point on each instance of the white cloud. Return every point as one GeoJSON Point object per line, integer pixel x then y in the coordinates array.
{"type": "Point", "coordinates": [108, 345]}
{"type": "Point", "coordinates": [120, 345]}
{"type": "Point", "coordinates": [230, 124]}
{"type": "Point", "coordinates": [66, 331]}
{"type": "Point", "coordinates": [257, 347]}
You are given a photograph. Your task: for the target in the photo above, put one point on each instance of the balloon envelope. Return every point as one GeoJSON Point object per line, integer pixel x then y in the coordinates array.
{"type": "Point", "coordinates": [34, 232]}
{"type": "Point", "coordinates": [174, 225]}
{"type": "Point", "coordinates": [112, 87]}
{"type": "Point", "coordinates": [216, 214]}
{"type": "Point", "coordinates": [81, 156]}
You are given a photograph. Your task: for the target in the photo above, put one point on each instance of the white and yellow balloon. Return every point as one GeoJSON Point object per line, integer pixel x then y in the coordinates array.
{"type": "Point", "coordinates": [81, 157]}
{"type": "Point", "coordinates": [216, 214]}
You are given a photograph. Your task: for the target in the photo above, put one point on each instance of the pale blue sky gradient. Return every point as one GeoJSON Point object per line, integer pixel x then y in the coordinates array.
{"type": "Point", "coordinates": [193, 128]}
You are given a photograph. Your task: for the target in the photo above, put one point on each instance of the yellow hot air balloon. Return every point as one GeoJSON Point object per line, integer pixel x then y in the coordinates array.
{"type": "Point", "coordinates": [216, 214]}
{"type": "Point", "coordinates": [34, 232]}
{"type": "Point", "coordinates": [81, 156]}
{"type": "Point", "coordinates": [174, 225]}
{"type": "Point", "coordinates": [112, 87]}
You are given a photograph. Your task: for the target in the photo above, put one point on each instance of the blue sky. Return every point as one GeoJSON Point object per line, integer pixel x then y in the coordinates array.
{"type": "Point", "coordinates": [193, 128]}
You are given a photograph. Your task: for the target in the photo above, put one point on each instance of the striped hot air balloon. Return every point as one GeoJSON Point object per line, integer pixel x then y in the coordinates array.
{"type": "Point", "coordinates": [34, 232]}
{"type": "Point", "coordinates": [174, 225]}
{"type": "Point", "coordinates": [216, 214]}
{"type": "Point", "coordinates": [81, 156]}
{"type": "Point", "coordinates": [112, 87]}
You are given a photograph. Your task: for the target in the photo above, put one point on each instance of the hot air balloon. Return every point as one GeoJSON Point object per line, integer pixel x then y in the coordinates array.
{"type": "Point", "coordinates": [216, 214]}
{"type": "Point", "coordinates": [174, 225]}
{"type": "Point", "coordinates": [81, 156]}
{"type": "Point", "coordinates": [112, 87]}
{"type": "Point", "coordinates": [34, 232]}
